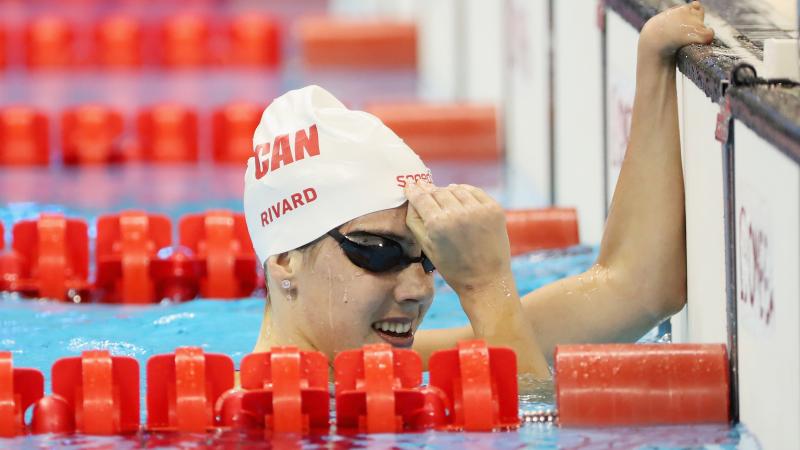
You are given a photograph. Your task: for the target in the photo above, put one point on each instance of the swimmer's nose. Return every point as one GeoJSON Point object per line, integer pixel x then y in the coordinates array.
{"type": "Point", "coordinates": [413, 284]}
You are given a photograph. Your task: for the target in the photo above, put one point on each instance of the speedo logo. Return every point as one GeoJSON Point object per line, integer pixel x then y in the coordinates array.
{"type": "Point", "coordinates": [270, 157]}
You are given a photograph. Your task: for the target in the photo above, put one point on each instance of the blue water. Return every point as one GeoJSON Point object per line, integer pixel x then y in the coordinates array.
{"type": "Point", "coordinates": [39, 332]}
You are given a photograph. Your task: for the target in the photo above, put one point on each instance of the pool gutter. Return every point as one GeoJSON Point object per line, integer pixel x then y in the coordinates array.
{"type": "Point", "coordinates": [772, 112]}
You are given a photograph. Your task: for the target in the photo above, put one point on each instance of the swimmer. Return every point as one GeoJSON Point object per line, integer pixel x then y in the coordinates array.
{"type": "Point", "coordinates": [349, 228]}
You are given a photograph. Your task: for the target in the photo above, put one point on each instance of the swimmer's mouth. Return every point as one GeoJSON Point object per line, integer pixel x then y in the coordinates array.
{"type": "Point", "coordinates": [397, 332]}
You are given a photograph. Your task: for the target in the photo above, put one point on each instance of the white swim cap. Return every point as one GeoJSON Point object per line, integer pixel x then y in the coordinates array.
{"type": "Point", "coordinates": [316, 165]}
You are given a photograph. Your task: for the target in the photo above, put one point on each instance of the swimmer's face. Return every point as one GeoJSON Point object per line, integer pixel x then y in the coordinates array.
{"type": "Point", "coordinates": [341, 306]}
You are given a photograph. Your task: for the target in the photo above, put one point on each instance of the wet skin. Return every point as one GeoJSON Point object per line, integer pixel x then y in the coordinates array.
{"type": "Point", "coordinates": [638, 280]}
{"type": "Point", "coordinates": [334, 305]}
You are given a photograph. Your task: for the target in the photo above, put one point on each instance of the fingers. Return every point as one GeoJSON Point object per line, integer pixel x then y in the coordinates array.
{"type": "Point", "coordinates": [421, 199]}
{"type": "Point", "coordinates": [707, 36]}
{"type": "Point", "coordinates": [465, 197]}
{"type": "Point", "coordinates": [417, 227]}
{"type": "Point", "coordinates": [701, 35]}
{"type": "Point", "coordinates": [446, 199]}
{"type": "Point", "coordinates": [429, 199]}
{"type": "Point", "coordinates": [477, 193]}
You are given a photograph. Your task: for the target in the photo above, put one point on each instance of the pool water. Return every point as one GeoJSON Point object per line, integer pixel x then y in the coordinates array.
{"type": "Point", "coordinates": [39, 332]}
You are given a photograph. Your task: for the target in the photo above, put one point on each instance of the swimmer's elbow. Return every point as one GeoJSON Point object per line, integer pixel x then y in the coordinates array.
{"type": "Point", "coordinates": [660, 294]}
{"type": "Point", "coordinates": [666, 297]}
{"type": "Point", "coordinates": [666, 306]}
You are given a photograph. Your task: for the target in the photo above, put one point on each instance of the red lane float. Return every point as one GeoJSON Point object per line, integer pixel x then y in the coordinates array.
{"type": "Point", "coordinates": [185, 41]}
{"type": "Point", "coordinates": [286, 392]}
{"type": "Point", "coordinates": [168, 134]}
{"type": "Point", "coordinates": [253, 40]}
{"type": "Point", "coordinates": [641, 384]}
{"type": "Point", "coordinates": [95, 393]}
{"type": "Point", "coordinates": [49, 43]}
{"type": "Point", "coordinates": [118, 42]}
{"type": "Point", "coordinates": [126, 245]}
{"type": "Point", "coordinates": [480, 383]}
{"type": "Point", "coordinates": [52, 257]}
{"type": "Point", "coordinates": [135, 263]}
{"type": "Point", "coordinates": [473, 388]}
{"type": "Point", "coordinates": [176, 275]}
{"type": "Point", "coordinates": [358, 44]}
{"type": "Point", "coordinates": [222, 247]}
{"type": "Point", "coordinates": [3, 57]}
{"type": "Point", "coordinates": [377, 389]}
{"type": "Point", "coordinates": [19, 389]}
{"type": "Point", "coordinates": [23, 137]}
{"type": "Point", "coordinates": [183, 389]}
{"type": "Point", "coordinates": [541, 229]}
{"type": "Point", "coordinates": [90, 134]}
{"type": "Point", "coordinates": [232, 128]}
{"type": "Point", "coordinates": [460, 132]}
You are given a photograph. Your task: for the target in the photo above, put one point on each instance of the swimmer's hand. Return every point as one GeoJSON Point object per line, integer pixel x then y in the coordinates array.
{"type": "Point", "coordinates": [463, 231]}
{"type": "Point", "coordinates": [672, 29]}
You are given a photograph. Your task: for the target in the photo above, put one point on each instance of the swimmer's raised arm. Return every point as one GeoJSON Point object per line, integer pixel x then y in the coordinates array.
{"type": "Point", "coordinates": [462, 230]}
{"type": "Point", "coordinates": [640, 275]}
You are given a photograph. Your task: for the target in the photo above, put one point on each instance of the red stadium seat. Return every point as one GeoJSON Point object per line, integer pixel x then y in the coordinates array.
{"type": "Point", "coordinates": [185, 41]}
{"type": "Point", "coordinates": [168, 134]}
{"type": "Point", "coordinates": [348, 43]}
{"type": "Point", "coordinates": [253, 40]}
{"type": "Point", "coordinates": [53, 256]}
{"type": "Point", "coordinates": [90, 134]}
{"type": "Point", "coordinates": [460, 132]}
{"type": "Point", "coordinates": [49, 43]}
{"type": "Point", "coordinates": [126, 245]}
{"type": "Point", "coordinates": [233, 126]}
{"type": "Point", "coordinates": [541, 229]}
{"type": "Point", "coordinates": [23, 137]}
{"type": "Point", "coordinates": [183, 389]}
{"type": "Point", "coordinates": [222, 246]}
{"type": "Point", "coordinates": [118, 42]}
{"type": "Point", "coordinates": [95, 393]}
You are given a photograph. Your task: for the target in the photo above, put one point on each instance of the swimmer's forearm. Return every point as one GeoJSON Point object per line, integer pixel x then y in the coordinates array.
{"type": "Point", "coordinates": [496, 316]}
{"type": "Point", "coordinates": [644, 241]}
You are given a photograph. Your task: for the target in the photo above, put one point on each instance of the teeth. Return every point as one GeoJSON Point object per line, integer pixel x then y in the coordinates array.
{"type": "Point", "coordinates": [392, 327]}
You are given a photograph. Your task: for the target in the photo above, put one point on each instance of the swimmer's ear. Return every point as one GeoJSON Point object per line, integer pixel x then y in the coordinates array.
{"type": "Point", "coordinates": [284, 266]}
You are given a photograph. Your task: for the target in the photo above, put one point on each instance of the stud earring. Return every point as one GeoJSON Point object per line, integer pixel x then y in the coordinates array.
{"type": "Point", "coordinates": [286, 284]}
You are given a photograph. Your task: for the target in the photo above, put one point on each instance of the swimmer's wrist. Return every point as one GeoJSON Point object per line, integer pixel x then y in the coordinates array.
{"type": "Point", "coordinates": [489, 302]}
{"type": "Point", "coordinates": [509, 328]}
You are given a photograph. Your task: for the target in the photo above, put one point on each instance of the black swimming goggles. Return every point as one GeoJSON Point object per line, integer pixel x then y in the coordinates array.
{"type": "Point", "coordinates": [383, 256]}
